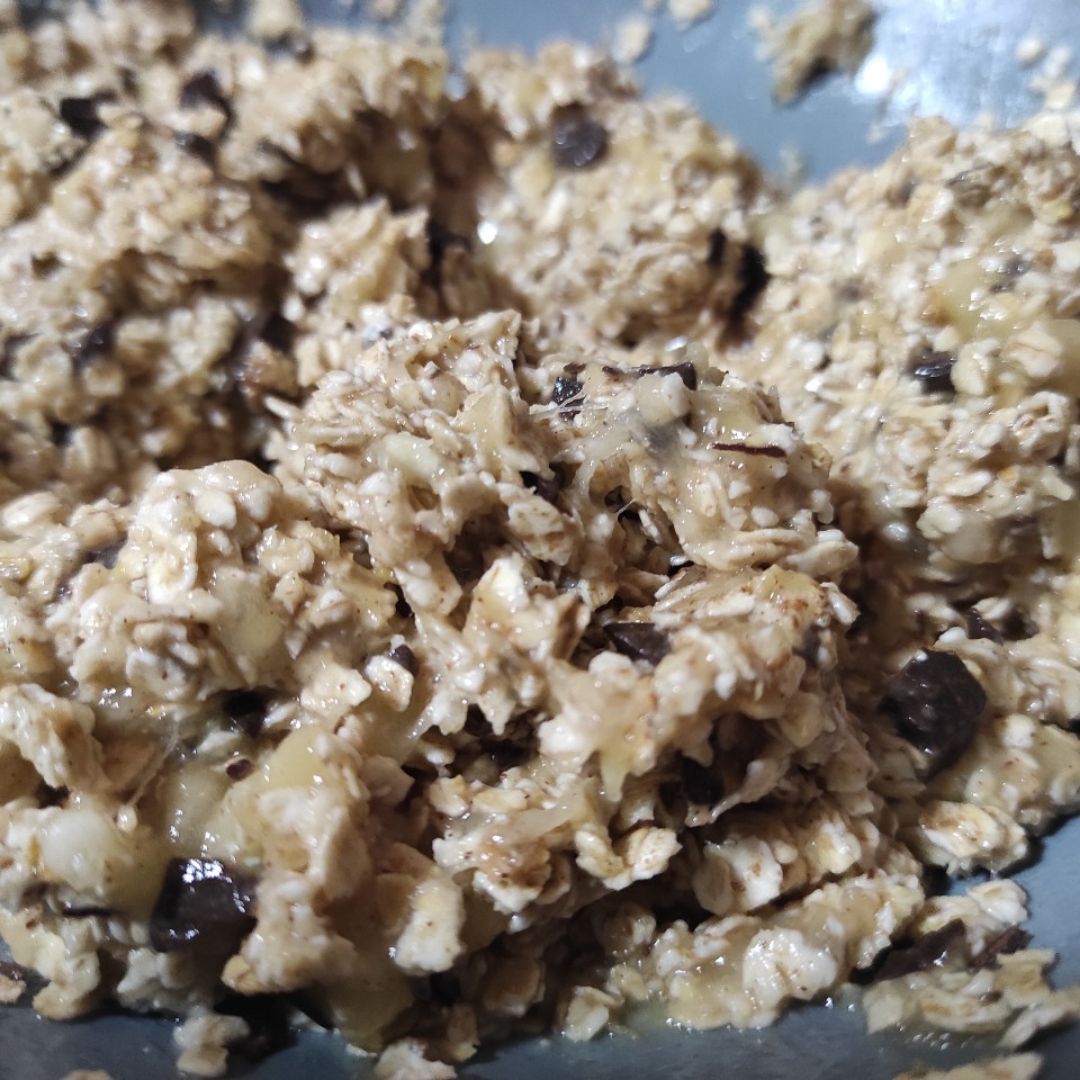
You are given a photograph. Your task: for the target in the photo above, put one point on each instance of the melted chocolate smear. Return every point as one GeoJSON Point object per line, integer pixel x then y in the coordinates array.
{"type": "Point", "coordinates": [406, 658]}
{"type": "Point", "coordinates": [685, 370]}
{"type": "Point", "coordinates": [934, 370]}
{"type": "Point", "coordinates": [717, 248]}
{"type": "Point", "coordinates": [931, 950]}
{"type": "Point", "coordinates": [935, 703]}
{"type": "Point", "coordinates": [565, 390]}
{"type": "Point", "coordinates": [979, 627]}
{"type": "Point", "coordinates": [754, 277]}
{"type": "Point", "coordinates": [577, 140]}
{"type": "Point", "coordinates": [98, 341]}
{"type": "Point", "coordinates": [197, 145]}
{"type": "Point", "coordinates": [547, 487]}
{"type": "Point", "coordinates": [202, 902]}
{"type": "Point", "coordinates": [81, 114]}
{"type": "Point", "coordinates": [245, 711]}
{"type": "Point", "coordinates": [1011, 939]}
{"type": "Point", "coordinates": [700, 784]}
{"type": "Point", "coordinates": [639, 641]}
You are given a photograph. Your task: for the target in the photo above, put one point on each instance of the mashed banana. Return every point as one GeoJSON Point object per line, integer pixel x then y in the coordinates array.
{"type": "Point", "coordinates": [475, 557]}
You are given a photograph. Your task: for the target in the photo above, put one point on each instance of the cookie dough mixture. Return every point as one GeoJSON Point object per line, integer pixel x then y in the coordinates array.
{"type": "Point", "coordinates": [476, 559]}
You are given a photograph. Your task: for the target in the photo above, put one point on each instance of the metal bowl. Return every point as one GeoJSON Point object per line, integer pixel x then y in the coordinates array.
{"type": "Point", "coordinates": [959, 55]}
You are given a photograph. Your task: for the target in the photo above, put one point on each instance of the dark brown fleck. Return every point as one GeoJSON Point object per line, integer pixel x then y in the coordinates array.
{"type": "Point", "coordinates": [717, 247]}
{"type": "Point", "coordinates": [60, 433]}
{"type": "Point", "coordinates": [406, 658]}
{"type": "Point", "coordinates": [1011, 939]}
{"type": "Point", "coordinates": [935, 703]}
{"type": "Point", "coordinates": [979, 627]}
{"type": "Point", "coordinates": [745, 448]}
{"type": "Point", "coordinates": [9, 349]}
{"type": "Point", "coordinates": [934, 370]}
{"type": "Point", "coordinates": [196, 144]}
{"type": "Point", "coordinates": [203, 88]}
{"type": "Point", "coordinates": [929, 951]}
{"type": "Point", "coordinates": [245, 710]}
{"type": "Point", "coordinates": [106, 555]}
{"type": "Point", "coordinates": [239, 768]}
{"type": "Point", "coordinates": [1019, 626]}
{"type": "Point", "coordinates": [701, 784]}
{"type": "Point", "coordinates": [577, 140]}
{"type": "Point", "coordinates": [81, 114]}
{"type": "Point", "coordinates": [401, 606]}
{"type": "Point", "coordinates": [754, 277]}
{"type": "Point", "coordinates": [203, 902]}
{"type": "Point", "coordinates": [685, 370]}
{"type": "Point", "coordinates": [565, 390]}
{"type": "Point", "coordinates": [638, 640]}
{"type": "Point", "coordinates": [97, 342]}
{"type": "Point", "coordinates": [547, 487]}
{"type": "Point", "coordinates": [84, 911]}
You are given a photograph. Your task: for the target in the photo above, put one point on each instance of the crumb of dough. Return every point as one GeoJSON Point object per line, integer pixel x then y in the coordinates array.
{"type": "Point", "coordinates": [687, 12]}
{"type": "Point", "coordinates": [633, 38]}
{"type": "Point", "coordinates": [446, 514]}
{"type": "Point", "coordinates": [821, 36]}
{"type": "Point", "coordinates": [12, 983]}
{"type": "Point", "coordinates": [1053, 82]}
{"type": "Point", "coordinates": [405, 1060]}
{"type": "Point", "coordinates": [88, 1074]}
{"type": "Point", "coordinates": [1014, 1067]}
{"type": "Point", "coordinates": [1030, 50]}
{"type": "Point", "coordinates": [275, 20]}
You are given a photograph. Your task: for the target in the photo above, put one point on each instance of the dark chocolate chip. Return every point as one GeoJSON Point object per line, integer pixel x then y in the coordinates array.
{"type": "Point", "coordinates": [1019, 626]}
{"type": "Point", "coordinates": [245, 710]}
{"type": "Point", "coordinates": [239, 768]}
{"type": "Point", "coordinates": [565, 390]}
{"type": "Point", "coordinates": [931, 950]}
{"type": "Point", "coordinates": [700, 784]}
{"type": "Point", "coordinates": [278, 332]}
{"type": "Point", "coordinates": [754, 277]}
{"type": "Point", "coordinates": [685, 370]}
{"type": "Point", "coordinates": [638, 640]}
{"type": "Point", "coordinates": [198, 145]}
{"type": "Point", "coordinates": [97, 342]}
{"type": "Point", "coordinates": [203, 902]}
{"type": "Point", "coordinates": [577, 140]}
{"type": "Point", "coordinates": [934, 370]}
{"type": "Point", "coordinates": [81, 114]}
{"type": "Point", "coordinates": [401, 606]}
{"type": "Point", "coordinates": [406, 658]}
{"type": "Point", "coordinates": [1011, 939]}
{"type": "Point", "coordinates": [935, 703]}
{"type": "Point", "coordinates": [979, 627]}
{"type": "Point", "coordinates": [107, 554]}
{"type": "Point", "coordinates": [717, 248]}
{"type": "Point", "coordinates": [203, 88]}
{"type": "Point", "coordinates": [547, 487]}
{"type": "Point", "coordinates": [744, 448]}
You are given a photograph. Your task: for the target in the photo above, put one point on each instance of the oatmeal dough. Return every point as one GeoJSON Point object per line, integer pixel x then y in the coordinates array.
{"type": "Point", "coordinates": [486, 561]}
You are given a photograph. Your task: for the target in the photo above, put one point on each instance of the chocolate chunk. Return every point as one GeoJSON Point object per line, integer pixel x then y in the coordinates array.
{"type": "Point", "coordinates": [978, 627]}
{"type": "Point", "coordinates": [1018, 626]}
{"type": "Point", "coordinates": [401, 607]}
{"type": "Point", "coordinates": [81, 114]}
{"type": "Point", "coordinates": [744, 448]}
{"type": "Point", "coordinates": [203, 88]}
{"type": "Point", "coordinates": [934, 370]}
{"type": "Point", "coordinates": [204, 902]}
{"type": "Point", "coordinates": [97, 342]}
{"type": "Point", "coordinates": [577, 140]}
{"type": "Point", "coordinates": [547, 487]}
{"type": "Point", "coordinates": [717, 247]}
{"type": "Point", "coordinates": [931, 950]}
{"type": "Point", "coordinates": [278, 332]}
{"type": "Point", "coordinates": [107, 554]}
{"type": "Point", "coordinates": [565, 390]}
{"type": "Point", "coordinates": [1011, 939]}
{"type": "Point", "coordinates": [239, 768]}
{"type": "Point", "coordinates": [638, 640]}
{"type": "Point", "coordinates": [403, 655]}
{"type": "Point", "coordinates": [754, 278]}
{"type": "Point", "coordinates": [245, 710]}
{"type": "Point", "coordinates": [700, 784]}
{"type": "Point", "coordinates": [685, 370]}
{"type": "Point", "coordinates": [196, 144]}
{"type": "Point", "coordinates": [935, 703]}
